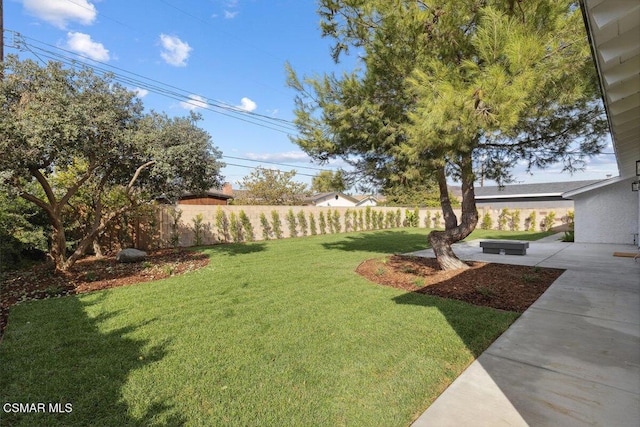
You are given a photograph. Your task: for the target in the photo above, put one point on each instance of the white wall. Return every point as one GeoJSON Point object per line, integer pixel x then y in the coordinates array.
{"type": "Point", "coordinates": [607, 214]}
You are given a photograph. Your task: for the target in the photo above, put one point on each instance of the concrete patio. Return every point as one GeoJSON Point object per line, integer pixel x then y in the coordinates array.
{"type": "Point", "coordinates": [572, 359]}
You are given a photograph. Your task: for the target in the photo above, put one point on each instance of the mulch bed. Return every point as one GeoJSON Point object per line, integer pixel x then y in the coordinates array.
{"type": "Point", "coordinates": [501, 286]}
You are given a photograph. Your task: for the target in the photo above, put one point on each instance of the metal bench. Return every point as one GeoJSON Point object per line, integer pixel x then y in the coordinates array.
{"type": "Point", "coordinates": [510, 247]}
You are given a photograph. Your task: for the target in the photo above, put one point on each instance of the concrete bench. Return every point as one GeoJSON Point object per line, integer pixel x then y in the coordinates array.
{"type": "Point", "coordinates": [511, 247]}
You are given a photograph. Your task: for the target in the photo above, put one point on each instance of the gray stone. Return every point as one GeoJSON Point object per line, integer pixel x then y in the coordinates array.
{"type": "Point", "coordinates": [131, 255]}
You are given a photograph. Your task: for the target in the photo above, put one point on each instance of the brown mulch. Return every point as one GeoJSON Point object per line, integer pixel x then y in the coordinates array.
{"type": "Point", "coordinates": [501, 286]}
{"type": "Point", "coordinates": [92, 274]}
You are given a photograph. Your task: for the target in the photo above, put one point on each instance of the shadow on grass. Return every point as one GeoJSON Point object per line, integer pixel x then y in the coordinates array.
{"type": "Point", "coordinates": [233, 249]}
{"type": "Point", "coordinates": [477, 327]}
{"type": "Point", "coordinates": [54, 353]}
{"type": "Point", "coordinates": [384, 241]}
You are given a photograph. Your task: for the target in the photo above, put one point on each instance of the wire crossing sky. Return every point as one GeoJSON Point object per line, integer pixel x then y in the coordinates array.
{"type": "Point", "coordinates": [224, 59]}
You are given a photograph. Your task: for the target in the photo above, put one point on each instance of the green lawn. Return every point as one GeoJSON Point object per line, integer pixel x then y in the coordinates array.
{"type": "Point", "coordinates": [278, 333]}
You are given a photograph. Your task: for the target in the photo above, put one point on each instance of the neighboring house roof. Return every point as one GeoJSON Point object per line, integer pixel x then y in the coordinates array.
{"type": "Point", "coordinates": [320, 197]}
{"type": "Point", "coordinates": [593, 186]}
{"type": "Point", "coordinates": [216, 194]}
{"type": "Point", "coordinates": [549, 189]}
{"type": "Point", "coordinates": [363, 199]}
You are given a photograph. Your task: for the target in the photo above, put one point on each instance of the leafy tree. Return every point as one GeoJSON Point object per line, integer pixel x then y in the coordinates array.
{"type": "Point", "coordinates": [444, 83]}
{"type": "Point", "coordinates": [272, 187]}
{"type": "Point", "coordinates": [327, 181]}
{"type": "Point", "coordinates": [55, 121]}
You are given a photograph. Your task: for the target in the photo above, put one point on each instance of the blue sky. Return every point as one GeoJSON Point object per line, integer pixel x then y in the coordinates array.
{"type": "Point", "coordinates": [208, 53]}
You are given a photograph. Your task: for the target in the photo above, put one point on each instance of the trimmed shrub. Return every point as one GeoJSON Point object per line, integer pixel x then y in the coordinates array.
{"type": "Point", "coordinates": [312, 224]}
{"type": "Point", "coordinates": [436, 220]}
{"type": "Point", "coordinates": [236, 228]}
{"type": "Point", "coordinates": [336, 221]}
{"type": "Point", "coordinates": [302, 222]}
{"type": "Point", "coordinates": [487, 222]}
{"type": "Point", "coordinates": [198, 229]}
{"type": "Point", "coordinates": [323, 224]}
{"type": "Point", "coordinates": [367, 217]}
{"type": "Point", "coordinates": [276, 224]}
{"type": "Point", "coordinates": [247, 226]}
{"type": "Point", "coordinates": [222, 224]}
{"type": "Point", "coordinates": [267, 231]}
{"type": "Point", "coordinates": [291, 223]}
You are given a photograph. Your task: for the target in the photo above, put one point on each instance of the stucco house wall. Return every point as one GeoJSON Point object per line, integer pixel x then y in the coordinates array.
{"type": "Point", "coordinates": [608, 214]}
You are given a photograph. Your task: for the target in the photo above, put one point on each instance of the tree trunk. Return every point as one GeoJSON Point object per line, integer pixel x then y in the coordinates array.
{"type": "Point", "coordinates": [97, 248]}
{"type": "Point", "coordinates": [441, 241]}
{"type": "Point", "coordinates": [58, 246]}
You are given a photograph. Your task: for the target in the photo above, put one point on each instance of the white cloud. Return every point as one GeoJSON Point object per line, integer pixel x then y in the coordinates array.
{"type": "Point", "coordinates": [289, 156]}
{"type": "Point", "coordinates": [81, 43]}
{"type": "Point", "coordinates": [176, 52]}
{"type": "Point", "coordinates": [247, 105]}
{"type": "Point", "coordinates": [140, 93]}
{"type": "Point", "coordinates": [230, 15]}
{"type": "Point", "coordinates": [195, 101]}
{"type": "Point", "coordinates": [60, 12]}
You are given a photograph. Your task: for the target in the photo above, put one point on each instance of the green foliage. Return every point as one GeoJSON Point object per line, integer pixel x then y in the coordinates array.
{"type": "Point", "coordinates": [367, 217]}
{"type": "Point", "coordinates": [337, 226]}
{"type": "Point", "coordinates": [347, 221]}
{"type": "Point", "coordinates": [415, 221]}
{"type": "Point", "coordinates": [312, 224]}
{"type": "Point", "coordinates": [79, 146]}
{"type": "Point", "coordinates": [436, 219]}
{"type": "Point", "coordinates": [503, 218]}
{"type": "Point", "coordinates": [302, 221]}
{"type": "Point", "coordinates": [514, 220]}
{"type": "Point", "coordinates": [267, 231]}
{"type": "Point", "coordinates": [398, 218]}
{"type": "Point", "coordinates": [330, 222]}
{"type": "Point", "coordinates": [354, 215]}
{"type": "Point", "coordinates": [235, 226]}
{"type": "Point", "coordinates": [174, 237]}
{"type": "Point", "coordinates": [323, 223]}
{"type": "Point", "coordinates": [247, 226]}
{"type": "Point", "coordinates": [569, 219]}
{"type": "Point", "coordinates": [531, 220]}
{"type": "Point", "coordinates": [222, 224]}
{"type": "Point", "coordinates": [21, 231]}
{"type": "Point", "coordinates": [390, 219]}
{"type": "Point", "coordinates": [549, 221]}
{"type": "Point", "coordinates": [487, 222]}
{"type": "Point", "coordinates": [427, 220]}
{"type": "Point", "coordinates": [445, 84]}
{"type": "Point", "coordinates": [198, 229]}
{"type": "Point", "coordinates": [292, 223]}
{"type": "Point", "coordinates": [276, 224]}
{"type": "Point", "coordinates": [272, 187]}
{"type": "Point", "coordinates": [361, 225]}
{"type": "Point", "coordinates": [328, 181]}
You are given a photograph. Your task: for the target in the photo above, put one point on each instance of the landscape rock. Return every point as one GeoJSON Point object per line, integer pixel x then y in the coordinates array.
{"type": "Point", "coordinates": [131, 255]}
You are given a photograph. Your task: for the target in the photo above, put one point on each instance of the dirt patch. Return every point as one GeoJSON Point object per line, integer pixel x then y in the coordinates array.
{"type": "Point", "coordinates": [501, 286]}
{"type": "Point", "coordinates": [92, 274]}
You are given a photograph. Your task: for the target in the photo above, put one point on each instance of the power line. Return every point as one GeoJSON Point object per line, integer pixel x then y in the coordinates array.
{"type": "Point", "coordinates": [276, 163]}
{"type": "Point", "coordinates": [258, 167]}
{"type": "Point", "coordinates": [155, 86]}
